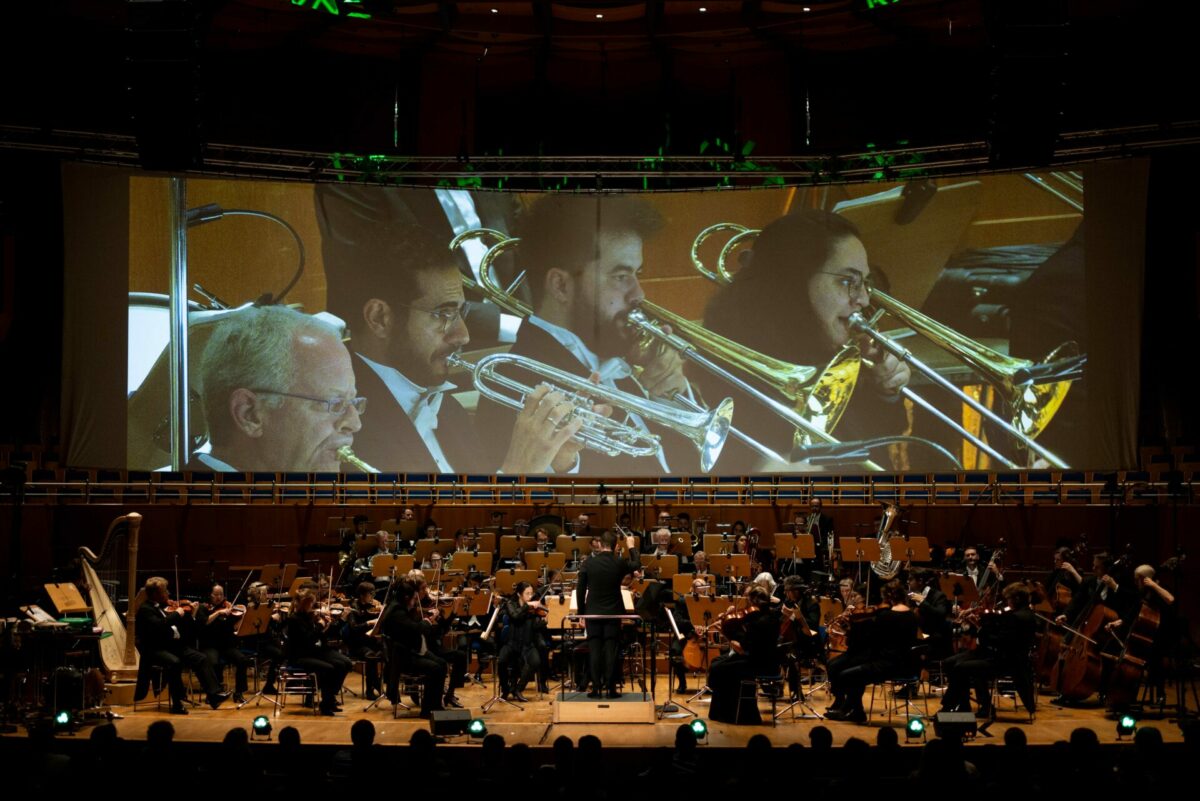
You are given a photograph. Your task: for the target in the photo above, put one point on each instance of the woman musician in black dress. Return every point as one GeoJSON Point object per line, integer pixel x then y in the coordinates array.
{"type": "Point", "coordinates": [754, 651]}
{"type": "Point", "coordinates": [880, 647]}
{"type": "Point", "coordinates": [304, 641]}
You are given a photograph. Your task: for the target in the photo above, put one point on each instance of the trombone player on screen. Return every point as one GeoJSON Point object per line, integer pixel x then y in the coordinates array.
{"type": "Point", "coordinates": [583, 258]}
{"type": "Point", "coordinates": [807, 273]}
{"type": "Point", "coordinates": [401, 293]}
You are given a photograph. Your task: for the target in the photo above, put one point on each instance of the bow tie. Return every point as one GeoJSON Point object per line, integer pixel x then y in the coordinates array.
{"type": "Point", "coordinates": [613, 370]}
{"type": "Point", "coordinates": [429, 403]}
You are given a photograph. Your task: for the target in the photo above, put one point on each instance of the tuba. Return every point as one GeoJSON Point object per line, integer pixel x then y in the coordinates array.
{"type": "Point", "coordinates": [887, 568]}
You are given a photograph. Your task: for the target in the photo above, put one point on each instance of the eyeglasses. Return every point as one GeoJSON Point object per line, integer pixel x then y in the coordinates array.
{"type": "Point", "coordinates": [445, 318]}
{"type": "Point", "coordinates": [335, 406]}
{"type": "Point", "coordinates": [853, 282]}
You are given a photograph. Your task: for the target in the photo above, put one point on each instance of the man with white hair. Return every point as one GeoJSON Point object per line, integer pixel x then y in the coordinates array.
{"type": "Point", "coordinates": [278, 393]}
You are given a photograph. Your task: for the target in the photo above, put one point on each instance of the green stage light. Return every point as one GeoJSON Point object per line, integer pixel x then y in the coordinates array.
{"type": "Point", "coordinates": [261, 727]}
{"type": "Point", "coordinates": [915, 730]}
{"type": "Point", "coordinates": [1126, 726]}
{"type": "Point", "coordinates": [63, 721]}
{"type": "Point", "coordinates": [477, 728]}
{"type": "Point", "coordinates": [699, 729]}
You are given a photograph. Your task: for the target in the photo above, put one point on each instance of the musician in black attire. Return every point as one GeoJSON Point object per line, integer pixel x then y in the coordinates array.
{"type": "Point", "coordinates": [888, 637]}
{"type": "Point", "coordinates": [407, 630]}
{"type": "Point", "coordinates": [754, 651]}
{"type": "Point", "coordinates": [162, 640]}
{"type": "Point", "coordinates": [217, 621]}
{"type": "Point", "coordinates": [360, 622]}
{"type": "Point", "coordinates": [599, 592]}
{"type": "Point", "coordinates": [304, 634]}
{"type": "Point", "coordinates": [804, 608]}
{"type": "Point", "coordinates": [1105, 588]}
{"type": "Point", "coordinates": [933, 612]}
{"type": "Point", "coordinates": [520, 656]}
{"type": "Point", "coordinates": [1005, 640]}
{"type": "Point", "coordinates": [1162, 601]}
{"type": "Point", "coordinates": [1064, 574]}
{"type": "Point", "coordinates": [440, 624]}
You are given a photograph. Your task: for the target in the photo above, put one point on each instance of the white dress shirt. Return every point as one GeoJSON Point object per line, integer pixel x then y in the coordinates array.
{"type": "Point", "coordinates": [421, 404]}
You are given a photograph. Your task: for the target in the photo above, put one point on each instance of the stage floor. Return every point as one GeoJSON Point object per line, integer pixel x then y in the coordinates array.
{"type": "Point", "coordinates": [533, 724]}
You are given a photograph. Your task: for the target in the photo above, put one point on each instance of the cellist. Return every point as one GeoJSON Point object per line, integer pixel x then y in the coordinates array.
{"type": "Point", "coordinates": [1162, 602]}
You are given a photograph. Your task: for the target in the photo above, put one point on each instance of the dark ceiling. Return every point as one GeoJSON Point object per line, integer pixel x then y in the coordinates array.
{"type": "Point", "coordinates": [529, 78]}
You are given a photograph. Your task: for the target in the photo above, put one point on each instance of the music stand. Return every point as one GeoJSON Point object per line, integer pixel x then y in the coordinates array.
{"type": "Point", "coordinates": [278, 575]}
{"type": "Point", "coordinates": [424, 548]}
{"type": "Point", "coordinates": [959, 587]}
{"type": "Point", "coordinates": [507, 579]}
{"type": "Point", "coordinates": [682, 582]}
{"type": "Point", "coordinates": [661, 567]}
{"type": "Point", "coordinates": [731, 566]}
{"type": "Point", "coordinates": [511, 543]}
{"type": "Point", "coordinates": [702, 611]}
{"type": "Point", "coordinates": [911, 549]}
{"type": "Point", "coordinates": [670, 706]}
{"type": "Point", "coordinates": [681, 543]}
{"type": "Point", "coordinates": [301, 581]}
{"type": "Point", "coordinates": [570, 543]}
{"type": "Point", "coordinates": [544, 563]}
{"type": "Point", "coordinates": [472, 561]}
{"type": "Point", "coordinates": [718, 544]}
{"type": "Point", "coordinates": [256, 621]}
{"type": "Point", "coordinates": [796, 546]}
{"type": "Point", "coordinates": [558, 608]}
{"type": "Point", "coordinates": [388, 564]}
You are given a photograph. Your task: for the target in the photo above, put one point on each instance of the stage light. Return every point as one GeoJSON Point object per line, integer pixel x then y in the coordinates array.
{"type": "Point", "coordinates": [495, 11]}
{"type": "Point", "coordinates": [260, 727]}
{"type": "Point", "coordinates": [599, 16]}
{"type": "Point", "coordinates": [699, 729]}
{"type": "Point", "coordinates": [703, 9]}
{"type": "Point", "coordinates": [1126, 726]}
{"type": "Point", "coordinates": [64, 721]}
{"type": "Point", "coordinates": [477, 728]}
{"type": "Point", "coordinates": [915, 730]}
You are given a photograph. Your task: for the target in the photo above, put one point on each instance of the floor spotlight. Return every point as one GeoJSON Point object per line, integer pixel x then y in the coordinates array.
{"type": "Point", "coordinates": [699, 729]}
{"type": "Point", "coordinates": [260, 727]}
{"type": "Point", "coordinates": [915, 730]}
{"type": "Point", "coordinates": [477, 728]}
{"type": "Point", "coordinates": [1126, 726]}
{"type": "Point", "coordinates": [64, 721]}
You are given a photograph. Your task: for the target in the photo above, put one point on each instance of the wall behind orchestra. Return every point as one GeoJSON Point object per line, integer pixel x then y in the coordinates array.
{"type": "Point", "coordinates": [214, 538]}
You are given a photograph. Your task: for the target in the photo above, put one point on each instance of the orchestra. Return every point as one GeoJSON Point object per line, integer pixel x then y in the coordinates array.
{"type": "Point", "coordinates": [850, 624]}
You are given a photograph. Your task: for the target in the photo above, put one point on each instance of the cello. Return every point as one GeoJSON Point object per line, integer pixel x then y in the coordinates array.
{"type": "Point", "coordinates": [1080, 665]}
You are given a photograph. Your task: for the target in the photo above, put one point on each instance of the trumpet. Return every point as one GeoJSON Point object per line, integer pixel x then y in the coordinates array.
{"type": "Point", "coordinates": [706, 430]}
{"type": "Point", "coordinates": [347, 455]}
{"type": "Point", "coordinates": [1029, 387]}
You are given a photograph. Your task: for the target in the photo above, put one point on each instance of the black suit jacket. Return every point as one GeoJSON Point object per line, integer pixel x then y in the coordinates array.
{"type": "Point", "coordinates": [154, 629]}
{"type": "Point", "coordinates": [1121, 601]}
{"type": "Point", "coordinates": [599, 584]}
{"type": "Point", "coordinates": [495, 422]}
{"type": "Point", "coordinates": [388, 440]}
{"type": "Point", "coordinates": [934, 614]}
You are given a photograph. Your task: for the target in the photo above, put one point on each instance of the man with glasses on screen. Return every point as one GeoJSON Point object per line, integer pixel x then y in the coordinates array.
{"type": "Point", "coordinates": [402, 296]}
{"type": "Point", "coordinates": [583, 259]}
{"type": "Point", "coordinates": [278, 393]}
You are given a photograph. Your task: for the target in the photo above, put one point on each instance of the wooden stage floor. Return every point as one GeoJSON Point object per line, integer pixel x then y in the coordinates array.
{"type": "Point", "coordinates": [533, 725]}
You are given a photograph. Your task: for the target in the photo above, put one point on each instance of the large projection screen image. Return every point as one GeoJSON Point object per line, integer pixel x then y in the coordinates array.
{"type": "Point", "coordinates": [933, 325]}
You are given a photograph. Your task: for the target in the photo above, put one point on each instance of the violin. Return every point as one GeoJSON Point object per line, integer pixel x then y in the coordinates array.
{"type": "Point", "coordinates": [183, 607]}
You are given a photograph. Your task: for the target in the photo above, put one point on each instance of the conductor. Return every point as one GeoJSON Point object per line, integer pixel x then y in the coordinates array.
{"type": "Point", "coordinates": [599, 593]}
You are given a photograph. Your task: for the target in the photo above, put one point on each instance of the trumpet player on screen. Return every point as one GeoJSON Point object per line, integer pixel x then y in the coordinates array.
{"type": "Point", "coordinates": [402, 296]}
{"type": "Point", "coordinates": [278, 393]}
{"type": "Point", "coordinates": [808, 272]}
{"type": "Point", "coordinates": [583, 259]}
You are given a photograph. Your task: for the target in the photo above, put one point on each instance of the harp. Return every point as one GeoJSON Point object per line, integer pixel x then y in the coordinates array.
{"type": "Point", "coordinates": [107, 576]}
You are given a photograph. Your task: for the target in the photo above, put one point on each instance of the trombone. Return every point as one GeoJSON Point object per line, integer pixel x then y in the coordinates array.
{"type": "Point", "coordinates": [1034, 390]}
{"type": "Point", "coordinates": [819, 396]}
{"type": "Point", "coordinates": [707, 430]}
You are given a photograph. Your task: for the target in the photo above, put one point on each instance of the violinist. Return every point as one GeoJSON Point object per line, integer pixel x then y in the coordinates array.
{"type": "Point", "coordinates": [407, 631]}
{"type": "Point", "coordinates": [881, 647]}
{"type": "Point", "coordinates": [933, 611]}
{"type": "Point", "coordinates": [754, 638]}
{"type": "Point", "coordinates": [161, 642]}
{"type": "Point", "coordinates": [1005, 640]}
{"type": "Point", "coordinates": [304, 631]}
{"type": "Point", "coordinates": [266, 644]}
{"type": "Point", "coordinates": [801, 612]}
{"type": "Point", "coordinates": [217, 619]}
{"type": "Point", "coordinates": [360, 622]}
{"type": "Point", "coordinates": [521, 654]}
{"type": "Point", "coordinates": [456, 658]}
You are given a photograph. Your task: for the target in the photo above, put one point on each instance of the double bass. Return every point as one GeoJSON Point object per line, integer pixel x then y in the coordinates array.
{"type": "Point", "coordinates": [1078, 671]}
